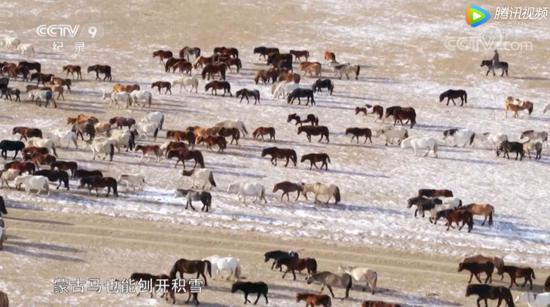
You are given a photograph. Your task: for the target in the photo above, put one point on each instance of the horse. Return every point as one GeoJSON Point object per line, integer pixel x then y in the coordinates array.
{"type": "Point", "coordinates": [26, 132]}
{"type": "Point", "coordinates": [212, 140]}
{"type": "Point", "coordinates": [5, 176]}
{"type": "Point", "coordinates": [244, 189]}
{"type": "Point", "coordinates": [177, 135]}
{"type": "Point", "coordinates": [313, 68]}
{"type": "Point", "coordinates": [278, 254]}
{"type": "Point", "coordinates": [518, 272]}
{"type": "Point", "coordinates": [318, 189]}
{"type": "Point", "coordinates": [486, 210]}
{"type": "Point", "coordinates": [357, 132]}
{"type": "Point", "coordinates": [284, 88]}
{"type": "Point", "coordinates": [202, 178]}
{"type": "Point", "coordinates": [86, 127]}
{"type": "Point", "coordinates": [21, 166]}
{"type": "Point", "coordinates": [145, 96]}
{"type": "Point", "coordinates": [423, 204]}
{"type": "Point", "coordinates": [310, 118]}
{"type": "Point", "coordinates": [316, 157]}
{"type": "Point", "coordinates": [73, 69]}
{"type": "Point", "coordinates": [516, 105]}
{"type": "Point", "coordinates": [29, 151]}
{"type": "Point", "coordinates": [265, 76]}
{"type": "Point", "coordinates": [134, 181]}
{"type": "Point", "coordinates": [404, 113]}
{"type": "Point", "coordinates": [31, 182]}
{"type": "Point", "coordinates": [102, 147]}
{"type": "Point", "coordinates": [460, 215]}
{"type": "Point", "coordinates": [329, 280]}
{"type": "Point", "coordinates": [163, 84]}
{"type": "Point", "coordinates": [31, 65]}
{"type": "Point", "coordinates": [245, 93]}
{"type": "Point", "coordinates": [534, 300]}
{"type": "Point", "coordinates": [275, 58]}
{"type": "Point", "coordinates": [101, 69]}
{"type": "Point", "coordinates": [485, 292]}
{"type": "Point", "coordinates": [220, 264]}
{"type": "Point", "coordinates": [347, 69]}
{"type": "Point", "coordinates": [280, 153]}
{"type": "Point", "coordinates": [190, 195]}
{"type": "Point", "coordinates": [533, 135]}
{"type": "Point", "coordinates": [62, 82]}
{"type": "Point", "coordinates": [476, 268]}
{"type": "Point", "coordinates": [218, 85]}
{"type": "Point", "coordinates": [452, 94]}
{"type": "Point", "coordinates": [210, 69]}
{"type": "Point", "coordinates": [298, 54]}
{"type": "Point", "coordinates": [233, 62]}
{"type": "Point", "coordinates": [54, 176]}
{"type": "Point", "coordinates": [261, 131]}
{"type": "Point", "coordinates": [128, 88]}
{"type": "Point", "coordinates": [506, 147]}
{"type": "Point", "coordinates": [187, 81]}
{"type": "Point", "coordinates": [499, 65]}
{"type": "Point", "coordinates": [121, 121]}
{"type": "Point", "coordinates": [174, 286]}
{"type": "Point", "coordinates": [41, 78]}
{"type": "Point", "coordinates": [313, 299]}
{"type": "Point", "coordinates": [233, 124]}
{"type": "Point", "coordinates": [251, 287]}
{"type": "Point", "coordinates": [379, 304]}
{"type": "Point", "coordinates": [183, 66]}
{"type": "Point", "coordinates": [536, 146]}
{"type": "Point", "coordinates": [461, 137]}
{"type": "Point", "coordinates": [229, 51]}
{"type": "Point", "coordinates": [326, 83]}
{"type": "Point", "coordinates": [162, 54]}
{"type": "Point", "coordinates": [435, 193]}
{"type": "Point", "coordinates": [9, 92]}
{"type": "Point", "coordinates": [370, 277]}
{"type": "Point", "coordinates": [191, 266]}
{"type": "Point", "coordinates": [287, 187]}
{"type": "Point", "coordinates": [234, 133]}
{"type": "Point", "coordinates": [421, 142]}
{"type": "Point", "coordinates": [184, 155]}
{"type": "Point", "coordinates": [498, 262]}
{"type": "Point", "coordinates": [8, 145]}
{"type": "Point", "coordinates": [148, 150]}
{"type": "Point", "coordinates": [26, 49]}
{"type": "Point", "coordinates": [315, 130]}
{"type": "Point", "coordinates": [329, 56]}
{"type": "Point", "coordinates": [301, 93]}
{"type": "Point", "coordinates": [96, 182]}
{"type": "Point", "coordinates": [265, 51]}
{"type": "Point", "coordinates": [293, 264]}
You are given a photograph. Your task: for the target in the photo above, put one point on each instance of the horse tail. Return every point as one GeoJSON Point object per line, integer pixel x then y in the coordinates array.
{"type": "Point", "coordinates": [374, 280]}
{"type": "Point", "coordinates": [161, 121]}
{"type": "Point", "coordinates": [533, 273]}
{"type": "Point", "coordinates": [211, 179]}
{"type": "Point", "coordinates": [238, 272]}
{"type": "Point", "coordinates": [465, 97]}
{"type": "Point", "coordinates": [472, 138]}
{"type": "Point", "coordinates": [156, 132]}
{"type": "Point", "coordinates": [348, 286]}
{"type": "Point", "coordinates": [111, 151]}
{"type": "Point", "coordinates": [357, 71]}
{"type": "Point", "coordinates": [208, 267]}
{"type": "Point", "coordinates": [491, 217]}
{"type": "Point", "coordinates": [200, 159]}
{"type": "Point", "coordinates": [150, 100]}
{"type": "Point", "coordinates": [115, 192]}
{"type": "Point", "coordinates": [203, 74]}
{"type": "Point", "coordinates": [337, 195]}
{"type": "Point", "coordinates": [174, 271]}
{"type": "Point", "coordinates": [530, 109]}
{"type": "Point", "coordinates": [314, 266]}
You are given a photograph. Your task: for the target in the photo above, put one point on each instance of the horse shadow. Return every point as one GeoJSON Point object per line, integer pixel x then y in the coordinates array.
{"type": "Point", "coordinates": [375, 210]}
{"type": "Point", "coordinates": [427, 127]}
{"type": "Point", "coordinates": [419, 300]}
{"type": "Point", "coordinates": [470, 161]}
{"type": "Point", "coordinates": [36, 221]}
{"type": "Point", "coordinates": [360, 98]}
{"type": "Point", "coordinates": [530, 78]}
{"type": "Point", "coordinates": [514, 230]}
{"type": "Point", "coordinates": [19, 249]}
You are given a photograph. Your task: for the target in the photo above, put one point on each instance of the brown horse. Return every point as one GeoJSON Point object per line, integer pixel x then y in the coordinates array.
{"type": "Point", "coordinates": [211, 69]}
{"type": "Point", "coordinates": [405, 114]}
{"type": "Point", "coordinates": [177, 135]}
{"type": "Point", "coordinates": [289, 76]}
{"type": "Point", "coordinates": [313, 299]}
{"type": "Point", "coordinates": [162, 54]}
{"type": "Point", "coordinates": [379, 304]}
{"type": "Point", "coordinates": [120, 122]}
{"type": "Point", "coordinates": [183, 287]}
{"type": "Point", "coordinates": [228, 51]}
{"type": "Point", "coordinates": [476, 268]}
{"type": "Point", "coordinates": [233, 62]}
{"type": "Point", "coordinates": [311, 68]}
{"type": "Point", "coordinates": [266, 75]}
{"type": "Point", "coordinates": [97, 182]}
{"type": "Point", "coordinates": [280, 153]}
{"type": "Point", "coordinates": [293, 264]}
{"type": "Point", "coordinates": [65, 166]}
{"type": "Point", "coordinates": [515, 105]}
{"type": "Point", "coordinates": [330, 56]}
{"type": "Point", "coordinates": [162, 85]}
{"type": "Point", "coordinates": [28, 152]}
{"type": "Point", "coordinates": [518, 272]}
{"type": "Point", "coordinates": [26, 132]}
{"type": "Point", "coordinates": [460, 215]}
{"type": "Point", "coordinates": [377, 109]}
{"type": "Point", "coordinates": [149, 150]}
{"type": "Point", "coordinates": [212, 140]}
{"type": "Point", "coordinates": [82, 118]}
{"type": "Point", "coordinates": [485, 210]}
{"type": "Point", "coordinates": [173, 146]}
{"type": "Point", "coordinates": [316, 157]}
{"type": "Point", "coordinates": [234, 133]}
{"type": "Point", "coordinates": [498, 262]}
{"type": "Point", "coordinates": [128, 88]}
{"type": "Point", "coordinates": [184, 155]}
{"type": "Point", "coordinates": [62, 82]}
{"type": "Point", "coordinates": [287, 187]}
{"type": "Point", "coordinates": [42, 159]}
{"type": "Point", "coordinates": [435, 193]}
{"type": "Point", "coordinates": [218, 85]}
{"type": "Point", "coordinates": [298, 54]}
{"type": "Point", "coordinates": [315, 130]}
{"type": "Point", "coordinates": [310, 118]}
{"type": "Point", "coordinates": [261, 131]}
{"type": "Point", "coordinates": [265, 51]}
{"type": "Point", "coordinates": [202, 61]}
{"type": "Point", "coordinates": [183, 66]}
{"type": "Point", "coordinates": [73, 69]}
{"type": "Point", "coordinates": [358, 132]}
{"type": "Point", "coordinates": [191, 266]}
{"type": "Point", "coordinates": [21, 166]}
{"type": "Point", "coordinates": [485, 292]}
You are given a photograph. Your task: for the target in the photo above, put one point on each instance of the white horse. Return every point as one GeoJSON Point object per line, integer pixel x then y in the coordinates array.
{"type": "Point", "coordinates": [134, 181]}
{"type": "Point", "coordinates": [534, 300]}
{"type": "Point", "coordinates": [187, 81]}
{"type": "Point", "coordinates": [233, 124]}
{"type": "Point", "coordinates": [102, 147]}
{"type": "Point", "coordinates": [361, 274]}
{"type": "Point", "coordinates": [317, 189]}
{"type": "Point", "coordinates": [459, 137]}
{"type": "Point", "coordinates": [392, 133]}
{"type": "Point", "coordinates": [421, 142]}
{"type": "Point", "coordinates": [58, 136]}
{"type": "Point", "coordinates": [26, 49]}
{"type": "Point", "coordinates": [31, 182]}
{"type": "Point", "coordinates": [42, 142]}
{"type": "Point", "coordinates": [8, 175]}
{"type": "Point", "coordinates": [243, 190]}
{"type": "Point", "coordinates": [546, 108]}
{"type": "Point", "coordinates": [121, 138]}
{"type": "Point", "coordinates": [146, 129]}
{"type": "Point", "coordinates": [142, 95]}
{"type": "Point", "coordinates": [346, 69]}
{"type": "Point", "coordinates": [220, 264]}
{"type": "Point", "coordinates": [11, 42]}
{"type": "Point", "coordinates": [154, 117]}
{"type": "Point", "coordinates": [284, 88]}
{"type": "Point", "coordinates": [202, 178]}
{"type": "Point", "coordinates": [494, 139]}
{"type": "Point", "coordinates": [117, 97]}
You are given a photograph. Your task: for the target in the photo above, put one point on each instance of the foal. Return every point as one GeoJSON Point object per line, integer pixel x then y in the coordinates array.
{"type": "Point", "coordinates": [518, 272]}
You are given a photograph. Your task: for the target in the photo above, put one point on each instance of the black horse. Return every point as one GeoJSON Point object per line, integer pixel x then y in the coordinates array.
{"type": "Point", "coordinates": [310, 118]}
{"type": "Point", "coordinates": [485, 292]}
{"type": "Point", "coordinates": [279, 254]}
{"type": "Point", "coordinates": [245, 93]}
{"type": "Point", "coordinates": [423, 204]}
{"type": "Point", "coordinates": [301, 93]}
{"type": "Point", "coordinates": [96, 182]}
{"type": "Point", "coordinates": [452, 94]}
{"type": "Point", "coordinates": [499, 65]}
{"type": "Point", "coordinates": [507, 147]}
{"type": "Point", "coordinates": [251, 287]}
{"type": "Point", "coordinates": [3, 209]}
{"type": "Point", "coordinates": [101, 69]}
{"type": "Point", "coordinates": [81, 173]}
{"type": "Point", "coordinates": [8, 145]}
{"type": "Point", "coordinates": [53, 176]}
{"type": "Point", "coordinates": [40, 77]}
{"type": "Point", "coordinates": [327, 83]}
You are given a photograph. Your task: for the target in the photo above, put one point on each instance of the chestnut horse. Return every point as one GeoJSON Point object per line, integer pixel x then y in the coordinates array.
{"type": "Point", "coordinates": [298, 54]}
{"type": "Point", "coordinates": [184, 155]}
{"type": "Point", "coordinates": [212, 140]}
{"type": "Point", "coordinates": [485, 210]}
{"type": "Point", "coordinates": [261, 131]}
{"type": "Point", "coordinates": [313, 299]}
{"type": "Point", "coordinates": [128, 88]}
{"type": "Point", "coordinates": [218, 85]}
{"type": "Point", "coordinates": [404, 114]}
{"type": "Point", "coordinates": [313, 68]}
{"type": "Point", "coordinates": [293, 264]}
{"type": "Point", "coordinates": [460, 215]}
{"type": "Point", "coordinates": [73, 69]}
{"type": "Point", "coordinates": [330, 56]}
{"type": "Point", "coordinates": [26, 132]}
{"type": "Point", "coordinates": [516, 105]}
{"type": "Point", "coordinates": [162, 54]}
{"type": "Point", "coordinates": [210, 69]}
{"type": "Point", "coordinates": [280, 153]}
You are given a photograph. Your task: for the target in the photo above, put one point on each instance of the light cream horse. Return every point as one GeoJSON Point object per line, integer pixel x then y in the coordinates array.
{"type": "Point", "coordinates": [311, 68]}
{"type": "Point", "coordinates": [329, 191]}
{"type": "Point", "coordinates": [361, 274]}
{"type": "Point", "coordinates": [485, 210]}
{"type": "Point", "coordinates": [515, 105]}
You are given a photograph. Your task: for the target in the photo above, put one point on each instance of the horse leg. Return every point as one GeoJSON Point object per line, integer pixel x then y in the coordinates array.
{"type": "Point", "coordinates": [257, 298]}
{"type": "Point", "coordinates": [331, 292]}
{"type": "Point", "coordinates": [484, 221]}
{"type": "Point", "coordinates": [246, 298]}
